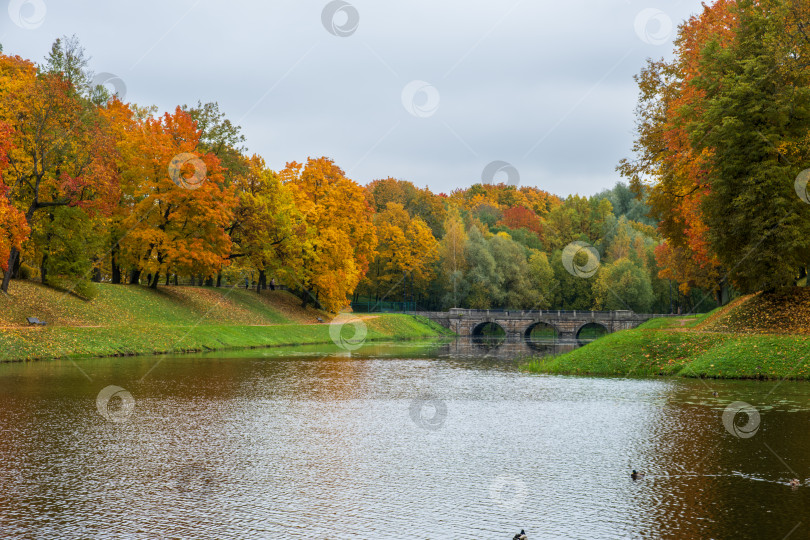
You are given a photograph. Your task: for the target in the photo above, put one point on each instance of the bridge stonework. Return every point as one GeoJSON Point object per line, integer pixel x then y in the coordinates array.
{"type": "Point", "coordinates": [468, 322]}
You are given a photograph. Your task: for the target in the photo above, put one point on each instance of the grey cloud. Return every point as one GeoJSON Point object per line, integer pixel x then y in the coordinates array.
{"type": "Point", "coordinates": [507, 73]}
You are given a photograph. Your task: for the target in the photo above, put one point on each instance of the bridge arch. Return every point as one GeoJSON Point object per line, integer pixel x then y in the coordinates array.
{"type": "Point", "coordinates": [592, 326]}
{"type": "Point", "coordinates": [549, 330]}
{"type": "Point", "coordinates": [480, 330]}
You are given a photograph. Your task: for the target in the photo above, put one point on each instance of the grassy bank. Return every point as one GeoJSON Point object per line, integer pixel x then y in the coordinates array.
{"type": "Point", "coordinates": [752, 338]}
{"type": "Point", "coordinates": [130, 320]}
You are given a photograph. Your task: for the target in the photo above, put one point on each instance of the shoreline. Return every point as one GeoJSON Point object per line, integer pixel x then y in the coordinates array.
{"type": "Point", "coordinates": [650, 353]}
{"type": "Point", "coordinates": [26, 344]}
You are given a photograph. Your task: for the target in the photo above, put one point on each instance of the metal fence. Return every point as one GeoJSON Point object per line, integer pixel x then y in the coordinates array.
{"type": "Point", "coordinates": [383, 307]}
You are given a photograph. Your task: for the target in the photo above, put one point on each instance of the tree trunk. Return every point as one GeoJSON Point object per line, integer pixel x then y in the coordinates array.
{"type": "Point", "coordinates": [219, 279]}
{"type": "Point", "coordinates": [15, 271]}
{"type": "Point", "coordinates": [261, 284]}
{"type": "Point", "coordinates": [134, 276]}
{"type": "Point", "coordinates": [43, 269]}
{"type": "Point", "coordinates": [96, 274]}
{"type": "Point", "coordinates": [209, 282]}
{"type": "Point", "coordinates": [154, 283]}
{"type": "Point", "coordinates": [167, 278]}
{"type": "Point", "coordinates": [12, 259]}
{"type": "Point", "coordinates": [116, 271]}
{"type": "Point", "coordinates": [175, 280]}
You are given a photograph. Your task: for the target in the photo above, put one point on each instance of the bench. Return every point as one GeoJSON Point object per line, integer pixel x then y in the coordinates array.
{"type": "Point", "coordinates": [34, 320]}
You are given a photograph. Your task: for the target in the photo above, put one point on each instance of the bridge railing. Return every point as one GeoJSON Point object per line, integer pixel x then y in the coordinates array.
{"type": "Point", "coordinates": [556, 312]}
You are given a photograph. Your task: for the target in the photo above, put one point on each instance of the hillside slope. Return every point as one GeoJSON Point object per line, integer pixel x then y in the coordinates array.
{"type": "Point", "coordinates": [783, 312]}
{"type": "Point", "coordinates": [762, 336]}
{"type": "Point", "coordinates": [126, 320]}
{"type": "Point", "coordinates": [123, 305]}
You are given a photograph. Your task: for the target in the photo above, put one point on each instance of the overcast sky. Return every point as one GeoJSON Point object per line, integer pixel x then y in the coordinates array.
{"type": "Point", "coordinates": [430, 92]}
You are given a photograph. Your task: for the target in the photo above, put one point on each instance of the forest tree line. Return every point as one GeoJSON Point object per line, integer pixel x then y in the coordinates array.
{"type": "Point", "coordinates": [95, 189]}
{"type": "Point", "coordinates": [722, 148]}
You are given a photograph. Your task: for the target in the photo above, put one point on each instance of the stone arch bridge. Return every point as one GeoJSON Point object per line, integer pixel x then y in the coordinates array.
{"type": "Point", "coordinates": [516, 323]}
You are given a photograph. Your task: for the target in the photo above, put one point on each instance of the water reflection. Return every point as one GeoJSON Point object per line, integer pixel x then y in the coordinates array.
{"type": "Point", "coordinates": [501, 347]}
{"type": "Point", "coordinates": [401, 441]}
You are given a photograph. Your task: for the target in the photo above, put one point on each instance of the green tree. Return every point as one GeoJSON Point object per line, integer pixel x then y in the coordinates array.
{"type": "Point", "coordinates": [758, 227]}
{"type": "Point", "coordinates": [452, 262]}
{"type": "Point", "coordinates": [541, 275]}
{"type": "Point", "coordinates": [623, 285]}
{"type": "Point", "coordinates": [483, 279]}
{"type": "Point", "coordinates": [516, 291]}
{"type": "Point", "coordinates": [573, 292]}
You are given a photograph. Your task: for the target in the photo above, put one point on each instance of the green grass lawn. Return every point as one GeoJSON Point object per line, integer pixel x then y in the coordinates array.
{"type": "Point", "coordinates": [72, 342]}
{"type": "Point", "coordinates": [677, 321]}
{"type": "Point", "coordinates": [129, 320]}
{"type": "Point", "coordinates": [119, 305]}
{"type": "Point", "coordinates": [645, 353]}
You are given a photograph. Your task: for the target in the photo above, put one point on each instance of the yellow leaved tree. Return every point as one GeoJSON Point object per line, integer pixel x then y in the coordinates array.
{"type": "Point", "coordinates": [338, 237]}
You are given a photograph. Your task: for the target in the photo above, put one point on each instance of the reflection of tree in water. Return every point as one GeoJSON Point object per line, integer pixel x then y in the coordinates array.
{"type": "Point", "coordinates": [504, 349]}
{"type": "Point", "coordinates": [542, 332]}
{"type": "Point", "coordinates": [489, 336]}
{"type": "Point", "coordinates": [542, 347]}
{"type": "Point", "coordinates": [194, 477]}
{"type": "Point", "coordinates": [590, 332]}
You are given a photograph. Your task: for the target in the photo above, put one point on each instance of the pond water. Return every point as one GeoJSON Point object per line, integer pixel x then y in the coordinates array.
{"type": "Point", "coordinates": [407, 440]}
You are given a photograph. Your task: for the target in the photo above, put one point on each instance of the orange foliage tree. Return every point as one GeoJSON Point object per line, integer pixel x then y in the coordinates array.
{"type": "Point", "coordinates": [13, 226]}
{"type": "Point", "coordinates": [339, 237]}
{"type": "Point", "coordinates": [675, 173]}
{"type": "Point", "coordinates": [59, 151]}
{"type": "Point", "coordinates": [520, 217]}
{"type": "Point", "coordinates": [179, 204]}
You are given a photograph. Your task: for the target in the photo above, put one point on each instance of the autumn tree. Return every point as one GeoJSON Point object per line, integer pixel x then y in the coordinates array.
{"type": "Point", "coordinates": [577, 218]}
{"type": "Point", "coordinates": [520, 217]}
{"type": "Point", "coordinates": [417, 202]}
{"type": "Point", "coordinates": [14, 229]}
{"type": "Point", "coordinates": [339, 238]}
{"type": "Point", "coordinates": [452, 259]}
{"type": "Point", "coordinates": [757, 226]}
{"type": "Point", "coordinates": [406, 251]}
{"type": "Point", "coordinates": [268, 229]}
{"type": "Point", "coordinates": [671, 172]}
{"type": "Point", "coordinates": [180, 205]}
{"type": "Point", "coordinates": [60, 153]}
